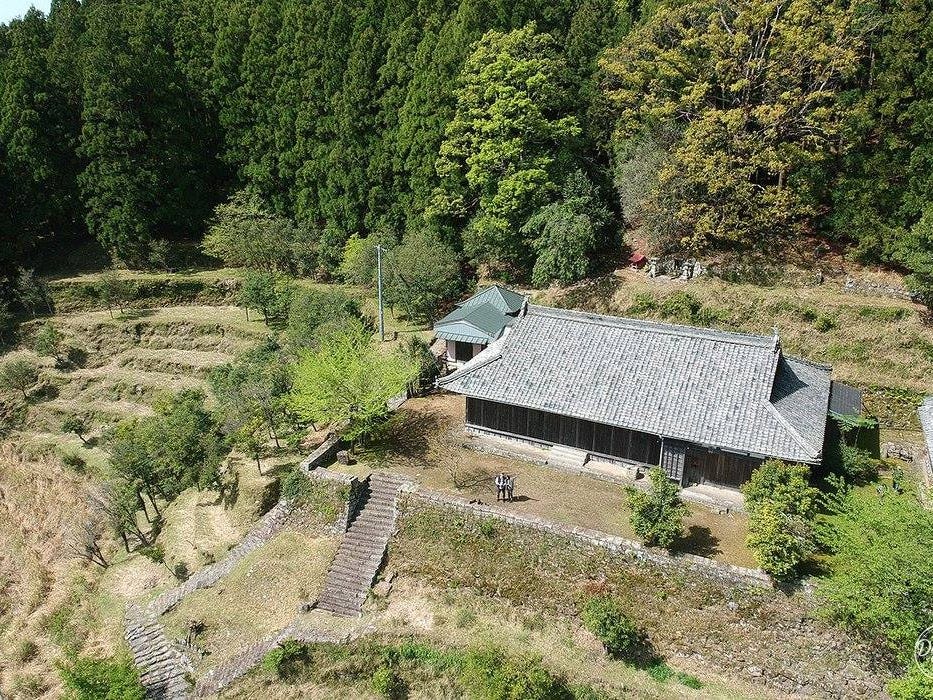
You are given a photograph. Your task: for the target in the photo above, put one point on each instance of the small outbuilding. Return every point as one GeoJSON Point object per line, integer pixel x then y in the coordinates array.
{"type": "Point", "coordinates": [477, 322]}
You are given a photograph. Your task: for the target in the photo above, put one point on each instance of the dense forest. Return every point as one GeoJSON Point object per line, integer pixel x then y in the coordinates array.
{"type": "Point", "coordinates": [530, 137]}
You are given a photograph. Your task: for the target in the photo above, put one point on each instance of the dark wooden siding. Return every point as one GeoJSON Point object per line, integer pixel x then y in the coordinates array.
{"type": "Point", "coordinates": [673, 457]}
{"type": "Point", "coordinates": [720, 468]}
{"type": "Point", "coordinates": [574, 432]}
{"type": "Point", "coordinates": [681, 461]}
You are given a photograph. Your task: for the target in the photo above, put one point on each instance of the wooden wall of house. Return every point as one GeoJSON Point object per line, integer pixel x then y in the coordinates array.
{"type": "Point", "coordinates": [719, 468]}
{"type": "Point", "coordinates": [552, 428]}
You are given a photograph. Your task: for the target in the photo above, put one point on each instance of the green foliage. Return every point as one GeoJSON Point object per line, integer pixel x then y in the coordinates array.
{"type": "Point", "coordinates": [916, 684]}
{"type": "Point", "coordinates": [607, 619]}
{"type": "Point", "coordinates": [418, 352]}
{"type": "Point", "coordinates": [267, 292]}
{"type": "Point", "coordinates": [312, 309]}
{"type": "Point", "coordinates": [245, 233]}
{"type": "Point", "coordinates": [112, 290]}
{"type": "Point", "coordinates": [732, 163]}
{"type": "Point", "coordinates": [857, 465]}
{"type": "Point", "coordinates": [251, 395]}
{"type": "Point", "coordinates": [286, 659]}
{"type": "Point", "coordinates": [18, 375]}
{"type": "Point", "coordinates": [420, 274]}
{"type": "Point", "coordinates": [657, 515]}
{"type": "Point", "coordinates": [511, 134]}
{"type": "Point", "coordinates": [346, 382]}
{"type": "Point", "coordinates": [75, 424]}
{"type": "Point", "coordinates": [781, 507]}
{"type": "Point", "coordinates": [48, 341]}
{"type": "Point", "coordinates": [881, 568]}
{"type": "Point", "coordinates": [915, 252]}
{"type": "Point", "coordinates": [566, 233]}
{"type": "Point", "coordinates": [785, 485]}
{"type": "Point", "coordinates": [386, 683]}
{"type": "Point", "coordinates": [179, 447]}
{"type": "Point", "coordinates": [489, 676]}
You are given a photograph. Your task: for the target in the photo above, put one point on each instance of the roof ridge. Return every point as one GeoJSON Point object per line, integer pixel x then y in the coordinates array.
{"type": "Point", "coordinates": [798, 438]}
{"type": "Point", "coordinates": [812, 363]}
{"type": "Point", "coordinates": [735, 337]}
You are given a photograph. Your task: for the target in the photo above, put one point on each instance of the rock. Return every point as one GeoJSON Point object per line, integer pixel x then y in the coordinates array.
{"type": "Point", "coordinates": [382, 589]}
{"type": "Point", "coordinates": [732, 605]}
{"type": "Point", "coordinates": [343, 457]}
{"type": "Point", "coordinates": [753, 671]}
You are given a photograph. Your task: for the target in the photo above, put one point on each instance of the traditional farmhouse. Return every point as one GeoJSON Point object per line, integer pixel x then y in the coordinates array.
{"type": "Point", "coordinates": [477, 322]}
{"type": "Point", "coordinates": [707, 406]}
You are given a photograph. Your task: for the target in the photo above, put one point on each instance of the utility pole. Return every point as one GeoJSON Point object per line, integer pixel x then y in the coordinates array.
{"type": "Point", "coordinates": [382, 328]}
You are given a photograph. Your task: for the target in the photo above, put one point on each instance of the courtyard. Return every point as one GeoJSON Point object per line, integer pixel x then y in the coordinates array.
{"type": "Point", "coordinates": [427, 443]}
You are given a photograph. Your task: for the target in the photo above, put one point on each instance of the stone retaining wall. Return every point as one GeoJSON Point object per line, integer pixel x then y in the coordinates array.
{"type": "Point", "coordinates": [876, 289]}
{"type": "Point", "coordinates": [261, 532]}
{"type": "Point", "coordinates": [242, 663]}
{"type": "Point", "coordinates": [612, 543]}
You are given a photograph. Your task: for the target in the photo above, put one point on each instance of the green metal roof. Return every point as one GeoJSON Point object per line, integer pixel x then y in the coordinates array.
{"type": "Point", "coordinates": [505, 300]}
{"type": "Point", "coordinates": [482, 323]}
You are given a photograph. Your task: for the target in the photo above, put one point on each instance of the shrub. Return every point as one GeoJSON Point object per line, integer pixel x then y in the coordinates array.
{"type": "Point", "coordinates": [881, 568]}
{"type": "Point", "coordinates": [824, 323]}
{"type": "Point", "coordinates": [77, 425]}
{"type": "Point", "coordinates": [26, 651]}
{"type": "Point", "coordinates": [857, 465]}
{"type": "Point", "coordinates": [112, 678]}
{"type": "Point", "coordinates": [295, 485]}
{"type": "Point", "coordinates": [660, 672]}
{"type": "Point", "coordinates": [74, 462]}
{"type": "Point", "coordinates": [657, 515]}
{"type": "Point", "coordinates": [644, 304]}
{"type": "Point", "coordinates": [488, 676]}
{"type": "Point", "coordinates": [916, 684]}
{"type": "Point", "coordinates": [786, 485]}
{"type": "Point", "coordinates": [781, 506]}
{"type": "Point", "coordinates": [29, 685]}
{"type": "Point", "coordinates": [605, 618]}
{"type": "Point", "coordinates": [286, 659]}
{"type": "Point", "coordinates": [780, 541]}
{"type": "Point", "coordinates": [309, 309]}
{"type": "Point", "coordinates": [386, 683]}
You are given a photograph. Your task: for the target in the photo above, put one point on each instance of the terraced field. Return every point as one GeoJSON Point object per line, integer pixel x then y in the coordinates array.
{"type": "Point", "coordinates": [48, 598]}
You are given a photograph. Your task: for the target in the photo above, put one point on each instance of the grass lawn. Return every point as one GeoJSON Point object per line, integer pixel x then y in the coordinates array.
{"type": "Point", "coordinates": [260, 596]}
{"type": "Point", "coordinates": [427, 444]}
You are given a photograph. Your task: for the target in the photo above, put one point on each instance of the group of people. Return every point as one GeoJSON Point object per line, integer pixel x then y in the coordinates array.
{"type": "Point", "coordinates": [505, 487]}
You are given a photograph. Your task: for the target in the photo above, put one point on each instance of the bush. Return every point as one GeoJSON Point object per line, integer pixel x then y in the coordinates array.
{"type": "Point", "coordinates": [781, 507]}
{"type": "Point", "coordinates": [74, 462]}
{"type": "Point", "coordinates": [605, 618]}
{"type": "Point", "coordinates": [488, 676]}
{"type": "Point", "coordinates": [26, 651]}
{"type": "Point", "coordinates": [286, 659]}
{"type": "Point", "coordinates": [824, 323]}
{"type": "Point", "coordinates": [295, 485]}
{"type": "Point", "coordinates": [779, 541]}
{"type": "Point", "coordinates": [916, 684]}
{"type": "Point", "coordinates": [857, 465]}
{"type": "Point", "coordinates": [386, 683]}
{"type": "Point", "coordinates": [881, 568]}
{"type": "Point", "coordinates": [658, 515]}
{"type": "Point", "coordinates": [91, 678]}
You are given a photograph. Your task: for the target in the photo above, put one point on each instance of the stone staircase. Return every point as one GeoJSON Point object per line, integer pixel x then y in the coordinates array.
{"type": "Point", "coordinates": [163, 669]}
{"type": "Point", "coordinates": [569, 458]}
{"type": "Point", "coordinates": [361, 551]}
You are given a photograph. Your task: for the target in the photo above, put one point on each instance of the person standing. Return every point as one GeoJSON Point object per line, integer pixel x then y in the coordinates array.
{"type": "Point", "coordinates": [500, 487]}
{"type": "Point", "coordinates": [509, 487]}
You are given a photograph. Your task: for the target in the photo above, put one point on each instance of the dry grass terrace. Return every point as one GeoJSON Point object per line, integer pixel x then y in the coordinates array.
{"type": "Point", "coordinates": [428, 444]}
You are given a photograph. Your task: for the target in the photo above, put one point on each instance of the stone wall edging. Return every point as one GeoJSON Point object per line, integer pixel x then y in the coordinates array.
{"type": "Point", "coordinates": [259, 534]}
{"type": "Point", "coordinates": [600, 539]}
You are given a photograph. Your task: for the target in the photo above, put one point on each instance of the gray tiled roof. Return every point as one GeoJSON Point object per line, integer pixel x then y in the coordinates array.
{"type": "Point", "coordinates": [926, 422]}
{"type": "Point", "coordinates": [727, 390]}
